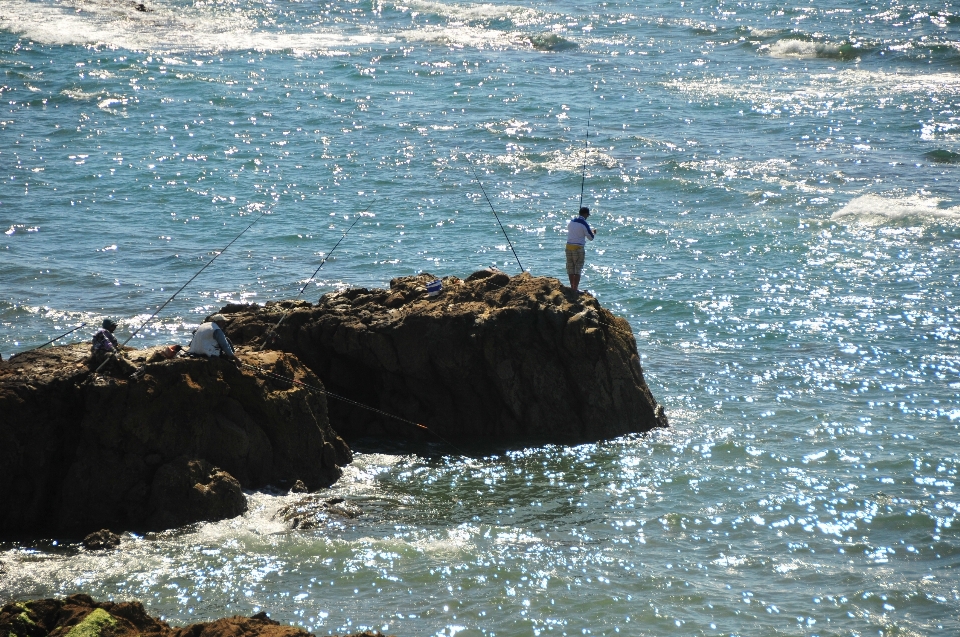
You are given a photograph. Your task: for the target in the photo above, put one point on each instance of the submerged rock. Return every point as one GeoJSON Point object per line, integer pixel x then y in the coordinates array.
{"type": "Point", "coordinates": [176, 445]}
{"type": "Point", "coordinates": [101, 540]}
{"type": "Point", "coordinates": [314, 512]}
{"type": "Point", "coordinates": [81, 616]}
{"type": "Point", "coordinates": [492, 359]}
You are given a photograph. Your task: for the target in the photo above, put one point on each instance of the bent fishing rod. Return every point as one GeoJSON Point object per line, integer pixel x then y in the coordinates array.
{"type": "Point", "coordinates": [315, 272]}
{"type": "Point", "coordinates": [349, 401]}
{"type": "Point", "coordinates": [167, 302]}
{"type": "Point", "coordinates": [497, 216]}
{"type": "Point", "coordinates": [54, 340]}
{"type": "Point", "coordinates": [583, 177]}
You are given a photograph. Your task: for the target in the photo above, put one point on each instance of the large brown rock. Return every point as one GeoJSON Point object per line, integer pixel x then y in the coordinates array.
{"type": "Point", "coordinates": [81, 452]}
{"type": "Point", "coordinates": [492, 359]}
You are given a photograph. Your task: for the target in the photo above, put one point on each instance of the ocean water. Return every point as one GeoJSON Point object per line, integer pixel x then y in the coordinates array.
{"type": "Point", "coordinates": [776, 190]}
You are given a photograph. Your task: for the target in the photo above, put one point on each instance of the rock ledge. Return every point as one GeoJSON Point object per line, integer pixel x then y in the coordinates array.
{"type": "Point", "coordinates": [80, 452]}
{"type": "Point", "coordinates": [492, 359]}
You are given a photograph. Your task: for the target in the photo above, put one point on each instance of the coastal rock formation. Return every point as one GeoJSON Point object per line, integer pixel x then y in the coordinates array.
{"type": "Point", "coordinates": [492, 359]}
{"type": "Point", "coordinates": [81, 616]}
{"type": "Point", "coordinates": [81, 452]}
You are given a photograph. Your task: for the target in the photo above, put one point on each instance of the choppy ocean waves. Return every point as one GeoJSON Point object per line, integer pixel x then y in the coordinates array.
{"type": "Point", "coordinates": [56, 321]}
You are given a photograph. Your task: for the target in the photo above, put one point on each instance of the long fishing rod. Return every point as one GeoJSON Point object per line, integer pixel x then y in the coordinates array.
{"type": "Point", "coordinates": [349, 401]}
{"type": "Point", "coordinates": [167, 302]}
{"type": "Point", "coordinates": [59, 337]}
{"type": "Point", "coordinates": [315, 272]}
{"type": "Point", "coordinates": [583, 177]}
{"type": "Point", "coordinates": [496, 215]}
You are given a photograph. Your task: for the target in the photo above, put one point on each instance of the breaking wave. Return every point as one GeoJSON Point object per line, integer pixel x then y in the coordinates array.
{"type": "Point", "coordinates": [941, 156]}
{"type": "Point", "coordinates": [472, 13]}
{"type": "Point", "coordinates": [875, 209]}
{"type": "Point", "coordinates": [797, 48]}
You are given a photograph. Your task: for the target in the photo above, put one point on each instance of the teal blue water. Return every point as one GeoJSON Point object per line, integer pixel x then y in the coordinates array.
{"type": "Point", "coordinates": [777, 196]}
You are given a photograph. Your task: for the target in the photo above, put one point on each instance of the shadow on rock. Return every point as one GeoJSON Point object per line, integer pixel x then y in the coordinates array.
{"type": "Point", "coordinates": [178, 444]}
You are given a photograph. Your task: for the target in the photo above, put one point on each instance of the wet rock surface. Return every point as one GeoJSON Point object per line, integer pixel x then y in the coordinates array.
{"type": "Point", "coordinates": [80, 451]}
{"type": "Point", "coordinates": [81, 616]}
{"type": "Point", "coordinates": [101, 540]}
{"type": "Point", "coordinates": [315, 512]}
{"type": "Point", "coordinates": [492, 359]}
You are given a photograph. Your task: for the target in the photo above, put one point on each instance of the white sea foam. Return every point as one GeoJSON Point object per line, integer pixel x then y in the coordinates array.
{"type": "Point", "coordinates": [462, 12]}
{"type": "Point", "coordinates": [763, 33]}
{"type": "Point", "coordinates": [949, 131]}
{"type": "Point", "coordinates": [570, 160]}
{"type": "Point", "coordinates": [18, 228]}
{"type": "Point", "coordinates": [162, 28]}
{"type": "Point", "coordinates": [77, 94]}
{"type": "Point", "coordinates": [831, 91]}
{"type": "Point", "coordinates": [874, 209]}
{"type": "Point", "coordinates": [791, 48]}
{"type": "Point", "coordinates": [463, 36]}
{"type": "Point", "coordinates": [109, 104]}
{"type": "Point", "coordinates": [210, 27]}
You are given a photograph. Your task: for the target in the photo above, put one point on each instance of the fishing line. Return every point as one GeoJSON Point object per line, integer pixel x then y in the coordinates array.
{"type": "Point", "coordinates": [583, 178]}
{"type": "Point", "coordinates": [496, 215]}
{"type": "Point", "coordinates": [315, 272]}
{"type": "Point", "coordinates": [264, 372]}
{"type": "Point", "coordinates": [199, 272]}
{"type": "Point", "coordinates": [59, 337]}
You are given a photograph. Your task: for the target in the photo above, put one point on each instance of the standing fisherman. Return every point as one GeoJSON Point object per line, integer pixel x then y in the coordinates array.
{"type": "Point", "coordinates": [578, 231]}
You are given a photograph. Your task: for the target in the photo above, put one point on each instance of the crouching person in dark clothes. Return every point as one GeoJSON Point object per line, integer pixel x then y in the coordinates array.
{"type": "Point", "coordinates": [105, 346]}
{"type": "Point", "coordinates": [209, 339]}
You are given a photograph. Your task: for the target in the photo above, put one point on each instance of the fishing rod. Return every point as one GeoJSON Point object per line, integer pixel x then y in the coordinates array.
{"type": "Point", "coordinates": [167, 302]}
{"type": "Point", "coordinates": [583, 177]}
{"type": "Point", "coordinates": [349, 401]}
{"type": "Point", "coordinates": [315, 272]}
{"type": "Point", "coordinates": [496, 215]}
{"type": "Point", "coordinates": [59, 337]}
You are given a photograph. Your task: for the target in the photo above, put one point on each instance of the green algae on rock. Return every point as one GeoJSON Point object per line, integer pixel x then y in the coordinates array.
{"type": "Point", "coordinates": [80, 616]}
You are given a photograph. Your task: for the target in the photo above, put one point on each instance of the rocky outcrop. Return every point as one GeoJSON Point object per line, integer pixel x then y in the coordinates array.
{"type": "Point", "coordinates": [81, 616]}
{"type": "Point", "coordinates": [492, 359]}
{"type": "Point", "coordinates": [178, 444]}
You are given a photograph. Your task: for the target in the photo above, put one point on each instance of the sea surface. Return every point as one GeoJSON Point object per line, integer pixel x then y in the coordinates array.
{"type": "Point", "coordinates": [776, 188]}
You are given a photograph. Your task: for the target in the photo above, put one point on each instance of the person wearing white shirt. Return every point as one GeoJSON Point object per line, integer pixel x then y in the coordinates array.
{"type": "Point", "coordinates": [578, 231]}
